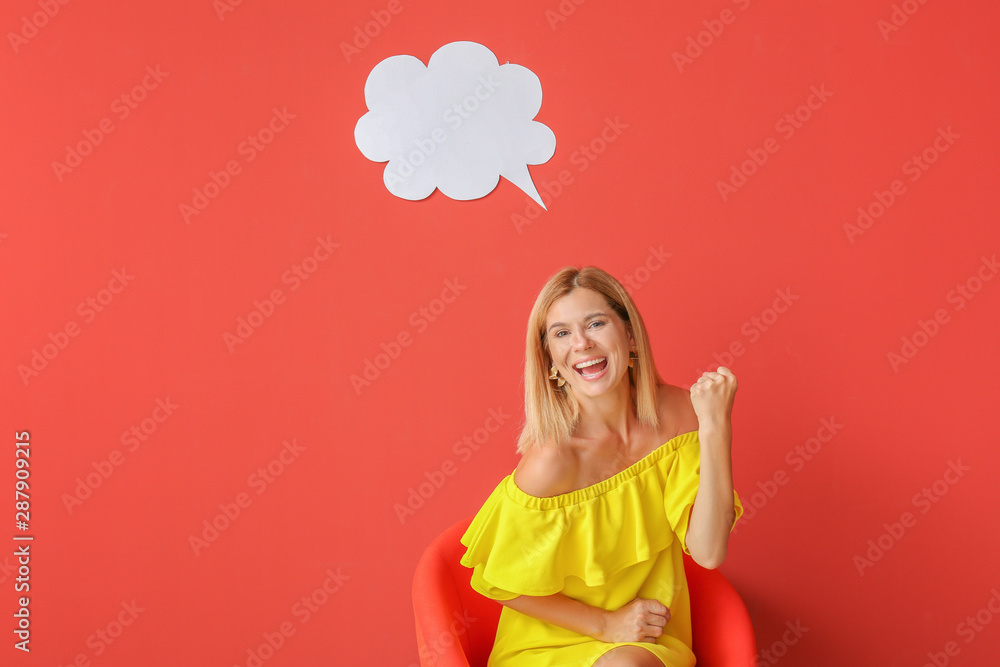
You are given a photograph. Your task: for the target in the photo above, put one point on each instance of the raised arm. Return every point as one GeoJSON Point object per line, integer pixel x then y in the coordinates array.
{"type": "Point", "coordinates": [712, 514]}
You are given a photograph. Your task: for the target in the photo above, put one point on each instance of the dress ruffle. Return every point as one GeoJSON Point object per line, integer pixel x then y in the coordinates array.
{"type": "Point", "coordinates": [520, 544]}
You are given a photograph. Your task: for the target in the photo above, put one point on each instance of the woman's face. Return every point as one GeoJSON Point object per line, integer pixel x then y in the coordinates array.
{"type": "Point", "coordinates": [588, 343]}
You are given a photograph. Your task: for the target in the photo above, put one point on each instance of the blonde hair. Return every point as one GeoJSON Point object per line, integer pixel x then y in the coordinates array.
{"type": "Point", "coordinates": [551, 413]}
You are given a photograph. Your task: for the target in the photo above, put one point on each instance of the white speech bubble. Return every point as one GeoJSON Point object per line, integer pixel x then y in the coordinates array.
{"type": "Point", "coordinates": [457, 125]}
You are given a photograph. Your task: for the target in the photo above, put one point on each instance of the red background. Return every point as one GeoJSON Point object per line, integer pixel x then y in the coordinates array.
{"type": "Point", "coordinates": [335, 505]}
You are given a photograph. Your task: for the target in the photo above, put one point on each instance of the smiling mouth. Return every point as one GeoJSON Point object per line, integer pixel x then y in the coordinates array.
{"type": "Point", "coordinates": [591, 369]}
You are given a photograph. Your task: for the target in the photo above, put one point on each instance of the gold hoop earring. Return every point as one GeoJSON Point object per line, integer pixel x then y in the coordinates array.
{"type": "Point", "coordinates": [554, 375]}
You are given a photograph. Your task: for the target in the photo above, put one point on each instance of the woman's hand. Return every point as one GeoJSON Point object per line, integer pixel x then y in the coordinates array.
{"type": "Point", "coordinates": [712, 397]}
{"type": "Point", "coordinates": [641, 620]}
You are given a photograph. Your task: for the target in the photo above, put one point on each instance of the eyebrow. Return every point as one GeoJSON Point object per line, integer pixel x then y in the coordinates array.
{"type": "Point", "coordinates": [588, 317]}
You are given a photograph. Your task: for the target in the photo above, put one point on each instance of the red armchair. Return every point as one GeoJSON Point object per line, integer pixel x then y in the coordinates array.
{"type": "Point", "coordinates": [444, 606]}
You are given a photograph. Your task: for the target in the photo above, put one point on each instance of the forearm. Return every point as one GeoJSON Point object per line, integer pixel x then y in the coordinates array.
{"type": "Point", "coordinates": [713, 514]}
{"type": "Point", "coordinates": [560, 610]}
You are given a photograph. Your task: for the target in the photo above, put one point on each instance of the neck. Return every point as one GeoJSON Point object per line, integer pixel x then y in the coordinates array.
{"type": "Point", "coordinates": [612, 413]}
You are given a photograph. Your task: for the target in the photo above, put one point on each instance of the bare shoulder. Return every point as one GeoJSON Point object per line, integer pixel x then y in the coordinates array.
{"type": "Point", "coordinates": [675, 409]}
{"type": "Point", "coordinates": [546, 470]}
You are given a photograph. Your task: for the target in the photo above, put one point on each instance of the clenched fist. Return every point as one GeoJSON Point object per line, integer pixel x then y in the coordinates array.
{"type": "Point", "coordinates": [712, 397]}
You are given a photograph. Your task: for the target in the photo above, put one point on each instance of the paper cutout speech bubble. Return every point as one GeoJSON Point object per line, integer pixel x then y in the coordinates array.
{"type": "Point", "coordinates": [457, 125]}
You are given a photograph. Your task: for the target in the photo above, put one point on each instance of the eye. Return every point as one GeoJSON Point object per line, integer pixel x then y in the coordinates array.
{"type": "Point", "coordinates": [597, 322]}
{"type": "Point", "coordinates": [559, 333]}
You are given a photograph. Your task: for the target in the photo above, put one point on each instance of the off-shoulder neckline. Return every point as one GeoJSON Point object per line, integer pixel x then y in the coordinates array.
{"type": "Point", "coordinates": [598, 488]}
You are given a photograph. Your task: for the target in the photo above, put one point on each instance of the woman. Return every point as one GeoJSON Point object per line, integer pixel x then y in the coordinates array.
{"type": "Point", "coordinates": [620, 474]}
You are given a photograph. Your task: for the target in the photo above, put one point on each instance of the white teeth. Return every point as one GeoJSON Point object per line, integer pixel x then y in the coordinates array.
{"type": "Point", "coordinates": [589, 363]}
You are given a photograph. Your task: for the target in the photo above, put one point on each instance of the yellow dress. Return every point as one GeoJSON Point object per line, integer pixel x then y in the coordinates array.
{"type": "Point", "coordinates": [604, 545]}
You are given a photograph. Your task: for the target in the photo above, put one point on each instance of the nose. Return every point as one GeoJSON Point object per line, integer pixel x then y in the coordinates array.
{"type": "Point", "coordinates": [581, 341]}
